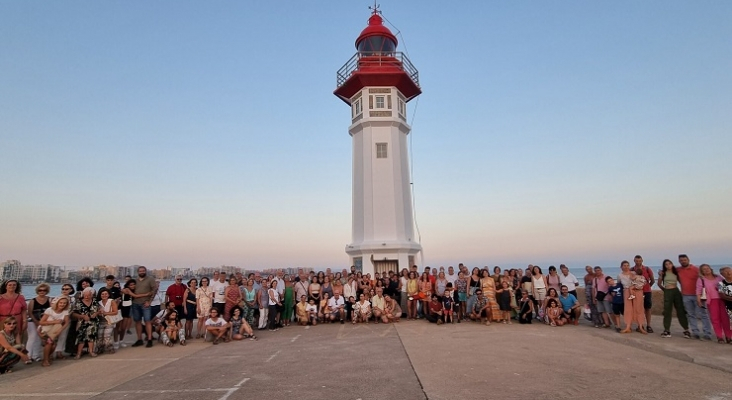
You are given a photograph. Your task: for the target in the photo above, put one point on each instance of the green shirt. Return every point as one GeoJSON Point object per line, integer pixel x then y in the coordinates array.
{"type": "Point", "coordinates": [146, 285]}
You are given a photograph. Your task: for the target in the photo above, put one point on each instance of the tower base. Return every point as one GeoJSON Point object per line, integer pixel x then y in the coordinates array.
{"type": "Point", "coordinates": [370, 258]}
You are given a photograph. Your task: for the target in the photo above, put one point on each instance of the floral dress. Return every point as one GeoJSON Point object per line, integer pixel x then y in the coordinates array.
{"type": "Point", "coordinates": [86, 331]}
{"type": "Point", "coordinates": [203, 295]}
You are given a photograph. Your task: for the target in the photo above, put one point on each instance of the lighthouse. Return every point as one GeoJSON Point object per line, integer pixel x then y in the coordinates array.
{"type": "Point", "coordinates": [377, 83]}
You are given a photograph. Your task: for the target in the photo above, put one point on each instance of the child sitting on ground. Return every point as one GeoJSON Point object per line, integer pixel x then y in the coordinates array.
{"type": "Point", "coordinates": [312, 311]}
{"type": "Point", "coordinates": [554, 313]}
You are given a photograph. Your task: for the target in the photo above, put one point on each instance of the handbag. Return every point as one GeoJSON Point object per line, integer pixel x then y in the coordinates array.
{"type": "Point", "coordinates": [113, 319]}
{"type": "Point", "coordinates": [600, 296]}
{"type": "Point", "coordinates": [704, 290]}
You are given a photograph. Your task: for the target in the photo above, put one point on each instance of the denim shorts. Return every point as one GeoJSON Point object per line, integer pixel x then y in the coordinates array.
{"type": "Point", "coordinates": [140, 313]}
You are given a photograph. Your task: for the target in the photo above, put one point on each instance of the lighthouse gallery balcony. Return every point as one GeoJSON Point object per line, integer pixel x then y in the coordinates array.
{"type": "Point", "coordinates": [374, 68]}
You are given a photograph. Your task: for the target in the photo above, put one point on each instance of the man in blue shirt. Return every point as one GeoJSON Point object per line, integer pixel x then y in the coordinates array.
{"type": "Point", "coordinates": [570, 305]}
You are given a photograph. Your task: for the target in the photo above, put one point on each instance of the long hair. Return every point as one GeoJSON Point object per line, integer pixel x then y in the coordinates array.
{"type": "Point", "coordinates": [663, 268]}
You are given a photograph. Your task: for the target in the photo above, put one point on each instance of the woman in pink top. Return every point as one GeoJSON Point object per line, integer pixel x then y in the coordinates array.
{"type": "Point", "coordinates": [706, 291]}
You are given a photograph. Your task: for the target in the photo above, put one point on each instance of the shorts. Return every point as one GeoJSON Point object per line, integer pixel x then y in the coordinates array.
{"type": "Point", "coordinates": [647, 300]}
{"type": "Point", "coordinates": [140, 313]}
{"type": "Point", "coordinates": [618, 308]}
{"type": "Point", "coordinates": [462, 297]}
{"type": "Point", "coordinates": [604, 306]}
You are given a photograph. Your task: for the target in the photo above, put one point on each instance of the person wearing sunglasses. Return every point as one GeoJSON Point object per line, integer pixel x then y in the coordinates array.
{"type": "Point", "coordinates": [11, 349]}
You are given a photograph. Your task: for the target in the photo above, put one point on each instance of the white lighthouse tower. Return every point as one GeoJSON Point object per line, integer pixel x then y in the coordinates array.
{"type": "Point", "coordinates": [378, 82]}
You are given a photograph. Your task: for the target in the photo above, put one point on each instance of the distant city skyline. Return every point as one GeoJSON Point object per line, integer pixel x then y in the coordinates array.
{"type": "Point", "coordinates": [168, 133]}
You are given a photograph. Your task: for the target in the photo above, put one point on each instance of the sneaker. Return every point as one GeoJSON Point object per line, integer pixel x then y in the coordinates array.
{"type": "Point", "coordinates": [665, 334]}
{"type": "Point", "coordinates": [115, 346]}
{"type": "Point", "coordinates": [687, 335]}
{"type": "Point", "coordinates": [649, 329]}
{"type": "Point", "coordinates": [149, 343]}
{"type": "Point", "coordinates": [343, 322]}
{"type": "Point", "coordinates": [122, 344]}
{"type": "Point", "coordinates": [708, 338]}
{"type": "Point", "coordinates": [697, 337]}
{"type": "Point", "coordinates": [138, 343]}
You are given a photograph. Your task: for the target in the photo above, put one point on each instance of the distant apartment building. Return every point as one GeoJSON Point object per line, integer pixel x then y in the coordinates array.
{"type": "Point", "coordinates": [13, 269]}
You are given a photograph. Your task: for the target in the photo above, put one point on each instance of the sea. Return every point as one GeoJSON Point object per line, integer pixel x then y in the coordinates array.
{"type": "Point", "coordinates": [29, 290]}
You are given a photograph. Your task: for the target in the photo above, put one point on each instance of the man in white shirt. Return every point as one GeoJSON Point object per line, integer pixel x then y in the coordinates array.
{"type": "Point", "coordinates": [219, 288]}
{"type": "Point", "coordinates": [377, 305]}
{"type": "Point", "coordinates": [568, 279]}
{"type": "Point", "coordinates": [337, 307]}
{"type": "Point", "coordinates": [451, 276]}
{"type": "Point", "coordinates": [280, 283]}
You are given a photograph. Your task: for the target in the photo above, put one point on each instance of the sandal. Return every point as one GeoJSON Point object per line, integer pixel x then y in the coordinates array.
{"type": "Point", "coordinates": [182, 342]}
{"type": "Point", "coordinates": [253, 337]}
{"type": "Point", "coordinates": [216, 341]}
{"type": "Point", "coordinates": [78, 356]}
{"type": "Point", "coordinates": [93, 354]}
{"type": "Point", "coordinates": [46, 364]}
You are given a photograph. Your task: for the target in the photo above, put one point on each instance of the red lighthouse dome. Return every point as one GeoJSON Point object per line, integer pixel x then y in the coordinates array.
{"type": "Point", "coordinates": [377, 63]}
{"type": "Point", "coordinates": [376, 37]}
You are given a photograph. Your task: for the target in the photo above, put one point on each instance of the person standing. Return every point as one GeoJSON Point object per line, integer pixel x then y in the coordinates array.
{"type": "Point", "coordinates": [688, 276]}
{"type": "Point", "coordinates": [707, 290]}
{"type": "Point", "coordinates": [115, 294]}
{"type": "Point", "coordinates": [633, 309]}
{"type": "Point", "coordinates": [190, 306]}
{"type": "Point", "coordinates": [568, 279]}
{"type": "Point", "coordinates": [668, 281]}
{"type": "Point", "coordinates": [13, 304]}
{"type": "Point", "coordinates": [600, 298]}
{"type": "Point", "coordinates": [589, 296]}
{"type": "Point", "coordinates": [218, 287]}
{"type": "Point", "coordinates": [647, 292]}
{"type": "Point", "coordinates": [553, 280]}
{"type": "Point", "coordinates": [36, 307]}
{"type": "Point", "coordinates": [141, 312]}
{"type": "Point", "coordinates": [273, 302]}
{"type": "Point", "coordinates": [176, 293]}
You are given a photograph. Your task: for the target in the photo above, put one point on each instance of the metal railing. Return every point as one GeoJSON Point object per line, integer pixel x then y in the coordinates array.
{"type": "Point", "coordinates": [386, 59]}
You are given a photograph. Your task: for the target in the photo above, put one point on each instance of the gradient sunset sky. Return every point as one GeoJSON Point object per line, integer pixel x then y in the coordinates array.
{"type": "Point", "coordinates": [190, 133]}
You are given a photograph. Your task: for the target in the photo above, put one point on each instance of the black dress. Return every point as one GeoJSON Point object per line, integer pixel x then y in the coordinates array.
{"type": "Point", "coordinates": [191, 308]}
{"type": "Point", "coordinates": [504, 300]}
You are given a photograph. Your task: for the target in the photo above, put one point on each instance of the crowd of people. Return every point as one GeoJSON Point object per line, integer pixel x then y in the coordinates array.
{"type": "Point", "coordinates": [85, 321]}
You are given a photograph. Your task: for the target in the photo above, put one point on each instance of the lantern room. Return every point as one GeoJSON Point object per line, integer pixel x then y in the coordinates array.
{"type": "Point", "coordinates": [377, 63]}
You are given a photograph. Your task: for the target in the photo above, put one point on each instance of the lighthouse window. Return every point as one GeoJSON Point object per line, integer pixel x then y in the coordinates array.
{"type": "Point", "coordinates": [379, 101]}
{"type": "Point", "coordinates": [381, 150]}
{"type": "Point", "coordinates": [402, 107]}
{"type": "Point", "coordinates": [357, 107]}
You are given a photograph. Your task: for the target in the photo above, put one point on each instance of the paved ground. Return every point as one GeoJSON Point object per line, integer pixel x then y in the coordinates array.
{"type": "Point", "coordinates": [409, 360]}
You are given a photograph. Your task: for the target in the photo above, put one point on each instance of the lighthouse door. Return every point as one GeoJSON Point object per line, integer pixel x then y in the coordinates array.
{"type": "Point", "coordinates": [386, 266]}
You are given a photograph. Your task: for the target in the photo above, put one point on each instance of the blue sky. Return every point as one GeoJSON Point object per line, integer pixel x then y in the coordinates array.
{"type": "Point", "coordinates": [206, 133]}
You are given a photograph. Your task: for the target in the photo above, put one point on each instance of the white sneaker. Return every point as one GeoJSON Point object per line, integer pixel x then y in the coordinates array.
{"type": "Point", "coordinates": [122, 344]}
{"type": "Point", "coordinates": [115, 345]}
